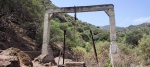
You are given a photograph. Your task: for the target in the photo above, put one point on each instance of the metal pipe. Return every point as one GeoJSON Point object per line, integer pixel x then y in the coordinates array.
{"type": "Point", "coordinates": [94, 46]}
{"type": "Point", "coordinates": [64, 47]}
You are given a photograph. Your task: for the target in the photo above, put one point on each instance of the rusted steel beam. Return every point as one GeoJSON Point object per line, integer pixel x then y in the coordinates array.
{"type": "Point", "coordinates": [94, 46]}
{"type": "Point", "coordinates": [81, 8]}
{"type": "Point", "coordinates": [75, 13]}
{"type": "Point", "coordinates": [64, 47]}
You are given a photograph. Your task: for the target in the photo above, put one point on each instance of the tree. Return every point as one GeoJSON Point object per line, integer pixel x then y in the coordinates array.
{"type": "Point", "coordinates": [133, 38]}
{"type": "Point", "coordinates": [85, 36]}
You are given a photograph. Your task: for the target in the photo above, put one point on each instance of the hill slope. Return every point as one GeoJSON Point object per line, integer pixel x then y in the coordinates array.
{"type": "Point", "coordinates": [107, 27]}
{"type": "Point", "coordinates": [22, 26]}
{"type": "Point", "coordinates": [19, 22]}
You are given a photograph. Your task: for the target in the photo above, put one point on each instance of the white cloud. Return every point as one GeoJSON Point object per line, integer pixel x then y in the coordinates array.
{"type": "Point", "coordinates": [142, 19]}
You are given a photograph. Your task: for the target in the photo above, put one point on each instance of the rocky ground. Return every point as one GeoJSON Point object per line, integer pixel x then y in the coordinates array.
{"type": "Point", "coordinates": [13, 57]}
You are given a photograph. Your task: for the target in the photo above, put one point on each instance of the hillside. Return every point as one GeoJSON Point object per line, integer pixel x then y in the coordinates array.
{"type": "Point", "coordinates": [18, 27]}
{"type": "Point", "coordinates": [106, 27]}
{"type": "Point", "coordinates": [21, 26]}
{"type": "Point", "coordinates": [134, 42]}
{"type": "Point", "coordinates": [134, 32]}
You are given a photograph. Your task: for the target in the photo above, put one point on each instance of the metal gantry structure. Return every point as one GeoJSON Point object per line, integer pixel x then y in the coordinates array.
{"type": "Point", "coordinates": [47, 53]}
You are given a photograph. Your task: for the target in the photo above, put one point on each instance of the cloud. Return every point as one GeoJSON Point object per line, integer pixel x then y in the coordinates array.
{"type": "Point", "coordinates": [142, 19]}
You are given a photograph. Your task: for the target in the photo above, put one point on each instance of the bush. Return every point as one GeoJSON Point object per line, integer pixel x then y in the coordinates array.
{"type": "Point", "coordinates": [86, 36]}
{"type": "Point", "coordinates": [144, 47]}
{"type": "Point", "coordinates": [56, 34]}
{"type": "Point", "coordinates": [133, 38]}
{"type": "Point", "coordinates": [103, 49]}
{"type": "Point", "coordinates": [108, 63]}
{"type": "Point", "coordinates": [63, 26]}
{"type": "Point", "coordinates": [79, 29]}
{"type": "Point", "coordinates": [126, 49]}
{"type": "Point", "coordinates": [88, 46]}
{"type": "Point", "coordinates": [79, 52]}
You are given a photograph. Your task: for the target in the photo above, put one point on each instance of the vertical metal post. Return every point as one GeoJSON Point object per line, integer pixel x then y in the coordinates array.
{"type": "Point", "coordinates": [64, 47]}
{"type": "Point", "coordinates": [75, 13]}
{"type": "Point", "coordinates": [94, 46]}
{"type": "Point", "coordinates": [75, 18]}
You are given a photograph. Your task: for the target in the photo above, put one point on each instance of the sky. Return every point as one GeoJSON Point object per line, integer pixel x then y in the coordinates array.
{"type": "Point", "coordinates": [127, 12]}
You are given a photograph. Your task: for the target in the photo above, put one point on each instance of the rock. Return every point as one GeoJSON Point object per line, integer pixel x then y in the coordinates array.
{"type": "Point", "coordinates": [4, 63]}
{"type": "Point", "coordinates": [59, 61]}
{"type": "Point", "coordinates": [8, 58]}
{"type": "Point", "coordinates": [48, 64]}
{"type": "Point", "coordinates": [13, 57]}
{"type": "Point", "coordinates": [9, 61]}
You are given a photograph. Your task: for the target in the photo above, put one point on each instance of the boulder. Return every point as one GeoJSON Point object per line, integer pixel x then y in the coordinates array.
{"type": "Point", "coordinates": [8, 61]}
{"type": "Point", "coordinates": [13, 57]}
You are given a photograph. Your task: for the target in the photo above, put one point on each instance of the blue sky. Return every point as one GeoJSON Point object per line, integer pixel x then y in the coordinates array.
{"type": "Point", "coordinates": [127, 12]}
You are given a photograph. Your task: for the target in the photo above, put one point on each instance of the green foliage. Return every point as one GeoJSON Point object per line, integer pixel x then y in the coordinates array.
{"type": "Point", "coordinates": [134, 42]}
{"type": "Point", "coordinates": [102, 49]}
{"type": "Point", "coordinates": [144, 47]}
{"type": "Point", "coordinates": [104, 36]}
{"type": "Point", "coordinates": [78, 37]}
{"type": "Point", "coordinates": [79, 49]}
{"type": "Point", "coordinates": [126, 49]}
{"type": "Point", "coordinates": [133, 38]}
{"type": "Point", "coordinates": [39, 37]}
{"type": "Point", "coordinates": [56, 34]}
{"type": "Point", "coordinates": [132, 34]}
{"type": "Point", "coordinates": [86, 35]}
{"type": "Point", "coordinates": [79, 52]}
{"type": "Point", "coordinates": [102, 54]}
{"type": "Point", "coordinates": [80, 29]}
{"type": "Point", "coordinates": [63, 26]}
{"type": "Point", "coordinates": [108, 63]}
{"type": "Point", "coordinates": [27, 10]}
{"type": "Point", "coordinates": [86, 28]}
{"type": "Point", "coordinates": [88, 46]}
{"type": "Point", "coordinates": [27, 14]}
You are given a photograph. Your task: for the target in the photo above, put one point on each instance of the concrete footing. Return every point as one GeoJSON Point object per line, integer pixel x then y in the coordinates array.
{"type": "Point", "coordinates": [75, 64]}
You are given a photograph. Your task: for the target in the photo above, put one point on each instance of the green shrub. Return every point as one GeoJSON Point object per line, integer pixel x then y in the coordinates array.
{"type": "Point", "coordinates": [108, 63]}
{"type": "Point", "coordinates": [79, 52]}
{"type": "Point", "coordinates": [126, 49]}
{"type": "Point", "coordinates": [144, 47]}
{"type": "Point", "coordinates": [79, 29]}
{"type": "Point", "coordinates": [133, 37]}
{"type": "Point", "coordinates": [63, 26]}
